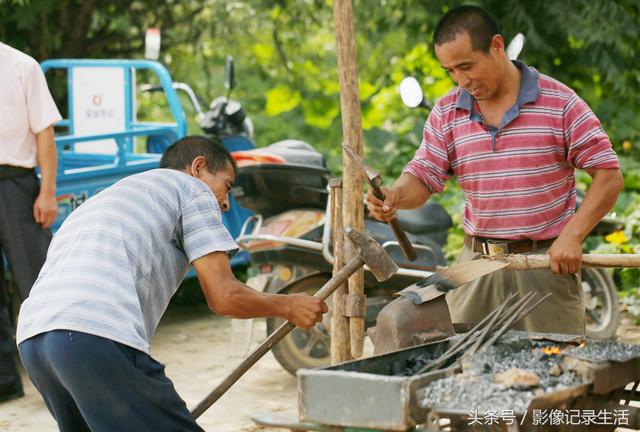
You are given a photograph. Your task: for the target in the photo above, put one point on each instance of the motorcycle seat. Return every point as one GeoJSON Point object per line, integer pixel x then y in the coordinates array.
{"type": "Point", "coordinates": [296, 152]}
{"type": "Point", "coordinates": [431, 217]}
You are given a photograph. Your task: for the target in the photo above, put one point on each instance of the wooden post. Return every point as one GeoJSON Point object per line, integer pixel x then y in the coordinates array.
{"type": "Point", "coordinates": [352, 177]}
{"type": "Point", "coordinates": [340, 345]}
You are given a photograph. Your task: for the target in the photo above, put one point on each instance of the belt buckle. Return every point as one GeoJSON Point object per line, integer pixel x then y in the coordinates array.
{"type": "Point", "coordinates": [495, 248]}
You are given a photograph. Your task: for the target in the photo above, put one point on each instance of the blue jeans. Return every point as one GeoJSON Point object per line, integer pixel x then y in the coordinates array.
{"type": "Point", "coordinates": [90, 383]}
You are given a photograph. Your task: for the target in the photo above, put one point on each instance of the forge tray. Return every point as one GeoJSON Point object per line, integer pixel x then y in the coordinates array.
{"type": "Point", "coordinates": [368, 393]}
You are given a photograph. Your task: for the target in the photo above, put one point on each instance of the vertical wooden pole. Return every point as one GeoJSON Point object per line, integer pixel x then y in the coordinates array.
{"type": "Point", "coordinates": [352, 134]}
{"type": "Point", "coordinates": [340, 340]}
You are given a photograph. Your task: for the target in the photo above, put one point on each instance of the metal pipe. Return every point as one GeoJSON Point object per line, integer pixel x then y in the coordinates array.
{"type": "Point", "coordinates": [192, 97]}
{"type": "Point", "coordinates": [256, 227]}
{"type": "Point", "coordinates": [323, 246]}
{"type": "Point", "coordinates": [293, 241]}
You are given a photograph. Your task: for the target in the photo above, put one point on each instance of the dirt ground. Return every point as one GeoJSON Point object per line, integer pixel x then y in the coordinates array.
{"type": "Point", "coordinates": [195, 347]}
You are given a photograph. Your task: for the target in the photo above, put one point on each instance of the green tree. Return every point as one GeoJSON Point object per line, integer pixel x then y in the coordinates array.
{"type": "Point", "coordinates": [285, 54]}
{"type": "Point", "coordinates": [287, 73]}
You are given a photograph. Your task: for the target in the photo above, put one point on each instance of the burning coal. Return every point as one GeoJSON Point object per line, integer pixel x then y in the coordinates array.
{"type": "Point", "coordinates": [550, 351]}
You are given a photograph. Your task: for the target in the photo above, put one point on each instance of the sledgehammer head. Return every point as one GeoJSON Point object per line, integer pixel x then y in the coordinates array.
{"type": "Point", "coordinates": [371, 252]}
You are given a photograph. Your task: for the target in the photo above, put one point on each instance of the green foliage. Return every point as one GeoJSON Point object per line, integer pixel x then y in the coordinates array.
{"type": "Point", "coordinates": [631, 168]}
{"type": "Point", "coordinates": [280, 100]}
{"type": "Point", "coordinates": [287, 73]}
{"type": "Point", "coordinates": [286, 63]}
{"type": "Point", "coordinates": [575, 42]}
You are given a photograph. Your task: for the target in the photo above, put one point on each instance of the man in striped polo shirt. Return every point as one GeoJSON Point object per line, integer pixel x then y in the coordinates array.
{"type": "Point", "coordinates": [110, 272]}
{"type": "Point", "coordinates": [513, 138]}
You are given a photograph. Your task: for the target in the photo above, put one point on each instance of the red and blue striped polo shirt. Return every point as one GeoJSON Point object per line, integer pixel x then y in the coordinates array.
{"type": "Point", "coordinates": [518, 179]}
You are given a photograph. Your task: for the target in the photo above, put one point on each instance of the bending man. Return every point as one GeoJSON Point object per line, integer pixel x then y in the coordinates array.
{"type": "Point", "coordinates": [111, 270]}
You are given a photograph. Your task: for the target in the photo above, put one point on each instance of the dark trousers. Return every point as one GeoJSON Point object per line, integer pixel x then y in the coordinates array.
{"type": "Point", "coordinates": [94, 384]}
{"type": "Point", "coordinates": [24, 244]}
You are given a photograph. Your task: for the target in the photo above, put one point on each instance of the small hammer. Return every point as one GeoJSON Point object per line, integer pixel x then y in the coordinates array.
{"type": "Point", "coordinates": [369, 252]}
{"type": "Point", "coordinates": [375, 181]}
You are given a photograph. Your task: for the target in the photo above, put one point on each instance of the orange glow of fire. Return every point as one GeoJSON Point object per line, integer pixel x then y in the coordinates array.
{"type": "Point", "coordinates": [554, 350]}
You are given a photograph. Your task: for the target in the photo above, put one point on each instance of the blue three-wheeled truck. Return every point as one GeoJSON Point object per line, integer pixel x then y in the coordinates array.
{"type": "Point", "coordinates": [96, 142]}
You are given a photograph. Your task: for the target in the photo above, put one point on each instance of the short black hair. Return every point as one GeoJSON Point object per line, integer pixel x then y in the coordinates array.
{"type": "Point", "coordinates": [181, 154]}
{"type": "Point", "coordinates": [467, 19]}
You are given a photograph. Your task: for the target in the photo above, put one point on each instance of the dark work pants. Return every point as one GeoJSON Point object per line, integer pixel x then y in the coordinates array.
{"type": "Point", "coordinates": [24, 244]}
{"type": "Point", "coordinates": [94, 384]}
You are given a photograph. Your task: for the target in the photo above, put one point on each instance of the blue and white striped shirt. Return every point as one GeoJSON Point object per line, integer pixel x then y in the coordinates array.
{"type": "Point", "coordinates": [117, 260]}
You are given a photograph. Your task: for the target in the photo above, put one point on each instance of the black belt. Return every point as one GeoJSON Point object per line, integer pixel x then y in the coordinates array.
{"type": "Point", "coordinates": [487, 246]}
{"type": "Point", "coordinates": [8, 171]}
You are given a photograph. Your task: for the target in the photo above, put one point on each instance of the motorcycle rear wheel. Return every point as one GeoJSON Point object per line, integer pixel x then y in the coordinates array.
{"type": "Point", "coordinates": [601, 303]}
{"type": "Point", "coordinates": [303, 348]}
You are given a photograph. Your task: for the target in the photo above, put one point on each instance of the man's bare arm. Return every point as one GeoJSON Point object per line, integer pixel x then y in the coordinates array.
{"type": "Point", "coordinates": [566, 251]}
{"type": "Point", "coordinates": [45, 207]}
{"type": "Point", "coordinates": [228, 296]}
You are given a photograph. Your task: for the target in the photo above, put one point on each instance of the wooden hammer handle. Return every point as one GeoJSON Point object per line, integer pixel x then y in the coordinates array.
{"type": "Point", "coordinates": [403, 241]}
{"type": "Point", "coordinates": [530, 262]}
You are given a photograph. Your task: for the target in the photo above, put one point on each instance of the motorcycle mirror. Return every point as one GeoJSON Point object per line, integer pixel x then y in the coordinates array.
{"type": "Point", "coordinates": [411, 92]}
{"type": "Point", "coordinates": [515, 46]}
{"type": "Point", "coordinates": [152, 44]}
{"type": "Point", "coordinates": [229, 75]}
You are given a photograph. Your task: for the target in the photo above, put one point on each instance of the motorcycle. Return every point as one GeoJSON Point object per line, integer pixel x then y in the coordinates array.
{"type": "Point", "coordinates": [289, 240]}
{"type": "Point", "coordinates": [289, 244]}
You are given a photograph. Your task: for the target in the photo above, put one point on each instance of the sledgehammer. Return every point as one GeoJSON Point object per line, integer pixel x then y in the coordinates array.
{"type": "Point", "coordinates": [369, 252]}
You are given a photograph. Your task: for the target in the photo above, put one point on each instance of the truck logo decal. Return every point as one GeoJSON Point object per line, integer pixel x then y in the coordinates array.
{"type": "Point", "coordinates": [69, 202]}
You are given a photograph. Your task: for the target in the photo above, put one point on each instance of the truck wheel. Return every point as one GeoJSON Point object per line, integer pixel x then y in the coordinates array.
{"type": "Point", "coordinates": [303, 348]}
{"type": "Point", "coordinates": [601, 303]}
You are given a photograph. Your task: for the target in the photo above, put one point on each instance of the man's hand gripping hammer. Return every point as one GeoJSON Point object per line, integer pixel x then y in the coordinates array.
{"type": "Point", "coordinates": [375, 181]}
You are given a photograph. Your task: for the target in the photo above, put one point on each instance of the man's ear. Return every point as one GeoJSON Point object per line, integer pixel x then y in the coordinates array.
{"type": "Point", "coordinates": [497, 43]}
{"type": "Point", "coordinates": [198, 164]}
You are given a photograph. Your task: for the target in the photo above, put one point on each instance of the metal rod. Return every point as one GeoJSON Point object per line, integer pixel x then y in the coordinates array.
{"type": "Point", "coordinates": [510, 320]}
{"type": "Point", "coordinates": [464, 342]}
{"type": "Point", "coordinates": [473, 335]}
{"type": "Point", "coordinates": [517, 317]}
{"type": "Point", "coordinates": [501, 319]}
{"type": "Point", "coordinates": [535, 305]}
{"type": "Point", "coordinates": [469, 335]}
{"type": "Point", "coordinates": [514, 307]}
{"type": "Point", "coordinates": [490, 327]}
